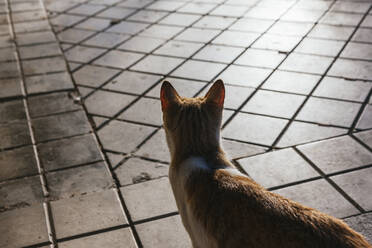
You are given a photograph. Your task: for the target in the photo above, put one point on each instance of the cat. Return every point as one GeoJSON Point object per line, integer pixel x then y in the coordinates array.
{"type": "Point", "coordinates": [219, 206]}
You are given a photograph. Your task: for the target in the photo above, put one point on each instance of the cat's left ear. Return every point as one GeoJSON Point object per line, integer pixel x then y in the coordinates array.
{"type": "Point", "coordinates": [216, 94]}
{"type": "Point", "coordinates": [168, 95]}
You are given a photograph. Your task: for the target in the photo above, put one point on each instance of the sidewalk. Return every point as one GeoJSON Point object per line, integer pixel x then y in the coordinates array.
{"type": "Point", "coordinates": [83, 156]}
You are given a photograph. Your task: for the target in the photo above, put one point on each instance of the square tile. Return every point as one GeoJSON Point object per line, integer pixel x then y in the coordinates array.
{"type": "Point", "coordinates": [116, 12]}
{"type": "Point", "coordinates": [269, 13]}
{"type": "Point", "coordinates": [10, 87]}
{"type": "Point", "coordinates": [128, 27]}
{"type": "Point", "coordinates": [149, 199]}
{"type": "Point", "coordinates": [12, 111]}
{"type": "Point", "coordinates": [180, 19]}
{"type": "Point", "coordinates": [252, 25]}
{"type": "Point", "coordinates": [48, 82]}
{"type": "Point", "coordinates": [233, 38]}
{"type": "Point", "coordinates": [65, 20]}
{"type": "Point", "coordinates": [320, 47]}
{"type": "Point", "coordinates": [306, 63]}
{"type": "Point", "coordinates": [7, 54]}
{"type": "Point", "coordinates": [155, 148]}
{"type": "Point", "coordinates": [353, 69]}
{"type": "Point", "coordinates": [107, 40]}
{"type": "Point", "coordinates": [165, 5]}
{"type": "Point", "coordinates": [135, 3]}
{"type": "Point", "coordinates": [96, 24]}
{"type": "Point", "coordinates": [118, 59]}
{"type": "Point", "coordinates": [254, 128]}
{"type": "Point", "coordinates": [161, 31]}
{"type": "Point", "coordinates": [86, 9]}
{"type": "Point", "coordinates": [198, 70]}
{"type": "Point", "coordinates": [157, 64]}
{"type": "Point", "coordinates": [34, 38]}
{"type": "Point", "coordinates": [329, 201]}
{"type": "Point", "coordinates": [38, 51]}
{"type": "Point", "coordinates": [278, 168]}
{"type": "Point", "coordinates": [136, 170]}
{"type": "Point", "coordinates": [331, 32]}
{"type": "Point", "coordinates": [357, 51]}
{"type": "Point", "coordinates": [9, 69]}
{"type": "Point", "coordinates": [46, 65]}
{"type": "Point", "coordinates": [145, 110]}
{"type": "Point", "coordinates": [343, 89]}
{"type": "Point", "coordinates": [164, 232]}
{"type": "Point", "coordinates": [214, 22]}
{"type": "Point", "coordinates": [178, 48]}
{"type": "Point", "coordinates": [235, 150]}
{"type": "Point", "coordinates": [292, 82]}
{"type": "Point", "coordinates": [354, 7]}
{"type": "Point", "coordinates": [94, 76]}
{"type": "Point", "coordinates": [367, 23]}
{"type": "Point", "coordinates": [78, 181]}
{"type": "Point", "coordinates": [122, 136]}
{"type": "Point", "coordinates": [83, 54]}
{"type": "Point", "coordinates": [337, 154]}
{"type": "Point", "coordinates": [290, 28]}
{"type": "Point", "coordinates": [69, 152]}
{"type": "Point", "coordinates": [302, 132]}
{"type": "Point", "coordinates": [34, 26]}
{"type": "Point", "coordinates": [244, 76]}
{"type": "Point", "coordinates": [197, 35]}
{"type": "Point", "coordinates": [274, 104]}
{"type": "Point", "coordinates": [313, 5]}
{"type": "Point", "coordinates": [132, 82]}
{"type": "Point", "coordinates": [260, 58]}
{"type": "Point", "coordinates": [147, 16]}
{"type": "Point", "coordinates": [216, 53]}
{"type": "Point", "coordinates": [277, 42]}
{"type": "Point", "coordinates": [142, 44]}
{"type": "Point", "coordinates": [17, 163]}
{"type": "Point", "coordinates": [329, 112]}
{"type": "Point", "coordinates": [14, 134]}
{"type": "Point", "coordinates": [230, 10]}
{"type": "Point", "coordinates": [365, 137]}
{"type": "Point", "coordinates": [23, 227]}
{"type": "Point", "coordinates": [302, 15]}
{"type": "Point", "coordinates": [365, 121]}
{"type": "Point", "coordinates": [341, 19]}
{"type": "Point", "coordinates": [187, 88]}
{"type": "Point", "coordinates": [197, 8]}
{"type": "Point", "coordinates": [86, 213]}
{"type": "Point", "coordinates": [73, 35]}
{"type": "Point", "coordinates": [107, 103]}
{"type": "Point", "coordinates": [61, 125]}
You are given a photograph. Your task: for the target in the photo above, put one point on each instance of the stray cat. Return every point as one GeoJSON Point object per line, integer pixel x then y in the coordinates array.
{"type": "Point", "coordinates": [221, 207]}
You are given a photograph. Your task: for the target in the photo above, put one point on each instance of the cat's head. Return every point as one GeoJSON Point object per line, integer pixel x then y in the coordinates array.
{"type": "Point", "coordinates": [192, 125]}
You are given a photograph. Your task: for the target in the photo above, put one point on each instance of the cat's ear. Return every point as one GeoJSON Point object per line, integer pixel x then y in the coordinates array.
{"type": "Point", "coordinates": [168, 95]}
{"type": "Point", "coordinates": [216, 94]}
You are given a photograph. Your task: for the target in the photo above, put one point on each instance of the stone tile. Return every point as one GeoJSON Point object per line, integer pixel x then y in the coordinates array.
{"type": "Point", "coordinates": [365, 121]}
{"type": "Point", "coordinates": [331, 32]}
{"type": "Point", "coordinates": [18, 162]}
{"type": "Point", "coordinates": [233, 38]}
{"type": "Point", "coordinates": [12, 111]}
{"type": "Point", "coordinates": [252, 25]}
{"type": "Point", "coordinates": [69, 152]}
{"type": "Point", "coordinates": [155, 148]}
{"type": "Point", "coordinates": [343, 89]}
{"type": "Point", "coordinates": [51, 104]}
{"type": "Point", "coordinates": [65, 20]}
{"type": "Point", "coordinates": [178, 48]}
{"type": "Point", "coordinates": [61, 125]}
{"type": "Point", "coordinates": [145, 110]}
{"type": "Point", "coordinates": [187, 88]}
{"type": "Point", "coordinates": [83, 54]}
{"type": "Point", "coordinates": [136, 170]}
{"type": "Point", "coordinates": [132, 82]}
{"type": "Point", "coordinates": [254, 128]}
{"type": "Point", "coordinates": [116, 12]}
{"type": "Point", "coordinates": [118, 59]}
{"type": "Point", "coordinates": [291, 82]}
{"type": "Point", "coordinates": [165, 5]}
{"type": "Point", "coordinates": [98, 120]}
{"type": "Point", "coordinates": [277, 42]}
{"type": "Point", "coordinates": [229, 10]}
{"type": "Point", "coordinates": [60, 6]}
{"type": "Point", "coordinates": [78, 181]}
{"type": "Point", "coordinates": [20, 193]}
{"type": "Point", "coordinates": [28, 6]}
{"type": "Point", "coordinates": [35, 38]}
{"type": "Point", "coordinates": [214, 22]}
{"type": "Point", "coordinates": [156, 199]}
{"type": "Point", "coordinates": [114, 239]}
{"type": "Point", "coordinates": [48, 82]}
{"type": "Point", "coordinates": [107, 103]}
{"type": "Point", "coordinates": [180, 19]}
{"type": "Point", "coordinates": [329, 112]}
{"type": "Point", "coordinates": [6, 41]}
{"type": "Point", "coordinates": [197, 8]}
{"type": "Point", "coordinates": [329, 201]}
{"type": "Point", "coordinates": [9, 69]}
{"type": "Point", "coordinates": [216, 53]}
{"type": "Point", "coordinates": [302, 15]}
{"type": "Point", "coordinates": [197, 35]}
{"type": "Point", "coordinates": [290, 28]}
{"type": "Point", "coordinates": [357, 51]}
{"type": "Point", "coordinates": [361, 224]}
{"type": "Point", "coordinates": [4, 30]}
{"type": "Point", "coordinates": [235, 150]}
{"type": "Point", "coordinates": [357, 185]}
{"type": "Point", "coordinates": [14, 134]}
{"type": "Point", "coordinates": [94, 76]}
{"type": "Point", "coordinates": [45, 65]}
{"type": "Point", "coordinates": [357, 7]}
{"type": "Point", "coordinates": [268, 12]}
{"type": "Point", "coordinates": [106, 40]}
{"type": "Point", "coordinates": [142, 44]}
{"type": "Point", "coordinates": [157, 64]}
{"type": "Point", "coordinates": [313, 5]}
{"type": "Point", "coordinates": [135, 3]}
{"type": "Point", "coordinates": [167, 232]}
{"type": "Point", "coordinates": [365, 137]}
{"type": "Point", "coordinates": [306, 63]}
{"type": "Point", "coordinates": [7, 54]}
{"type": "Point", "coordinates": [128, 27]}
{"type": "Point", "coordinates": [341, 19]}
{"type": "Point", "coordinates": [86, 9]}
{"type": "Point", "coordinates": [38, 51]}
{"type": "Point", "coordinates": [161, 31]}
{"type": "Point", "coordinates": [244, 76]}
{"type": "Point", "coordinates": [23, 227]}
{"type": "Point", "coordinates": [260, 58]}
{"type": "Point", "coordinates": [72, 66]}
{"type": "Point", "coordinates": [73, 35]}
{"type": "Point", "coordinates": [34, 26]}
{"type": "Point", "coordinates": [10, 87]}
{"type": "Point", "coordinates": [122, 136]}
{"type": "Point", "coordinates": [96, 24]}
{"type": "Point", "coordinates": [301, 132]}
{"type": "Point", "coordinates": [198, 70]}
{"type": "Point", "coordinates": [148, 16]}
{"type": "Point", "coordinates": [115, 159]}
{"type": "Point", "coordinates": [274, 103]}
{"type": "Point", "coordinates": [367, 23]}
{"type": "Point", "coordinates": [337, 154]}
{"type": "Point", "coordinates": [86, 213]}
{"type": "Point", "coordinates": [351, 69]}
{"type": "Point", "coordinates": [320, 47]}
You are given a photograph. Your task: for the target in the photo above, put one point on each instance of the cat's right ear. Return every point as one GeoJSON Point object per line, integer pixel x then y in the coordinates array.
{"type": "Point", "coordinates": [168, 96]}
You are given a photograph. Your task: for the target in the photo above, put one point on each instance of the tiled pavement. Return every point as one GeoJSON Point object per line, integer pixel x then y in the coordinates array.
{"type": "Point", "coordinates": [298, 111]}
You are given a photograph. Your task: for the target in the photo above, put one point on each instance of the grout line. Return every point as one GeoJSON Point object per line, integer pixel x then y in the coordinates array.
{"type": "Point", "coordinates": [359, 114]}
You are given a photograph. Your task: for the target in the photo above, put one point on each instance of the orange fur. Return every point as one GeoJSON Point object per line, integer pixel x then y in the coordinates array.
{"type": "Point", "coordinates": [220, 207]}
